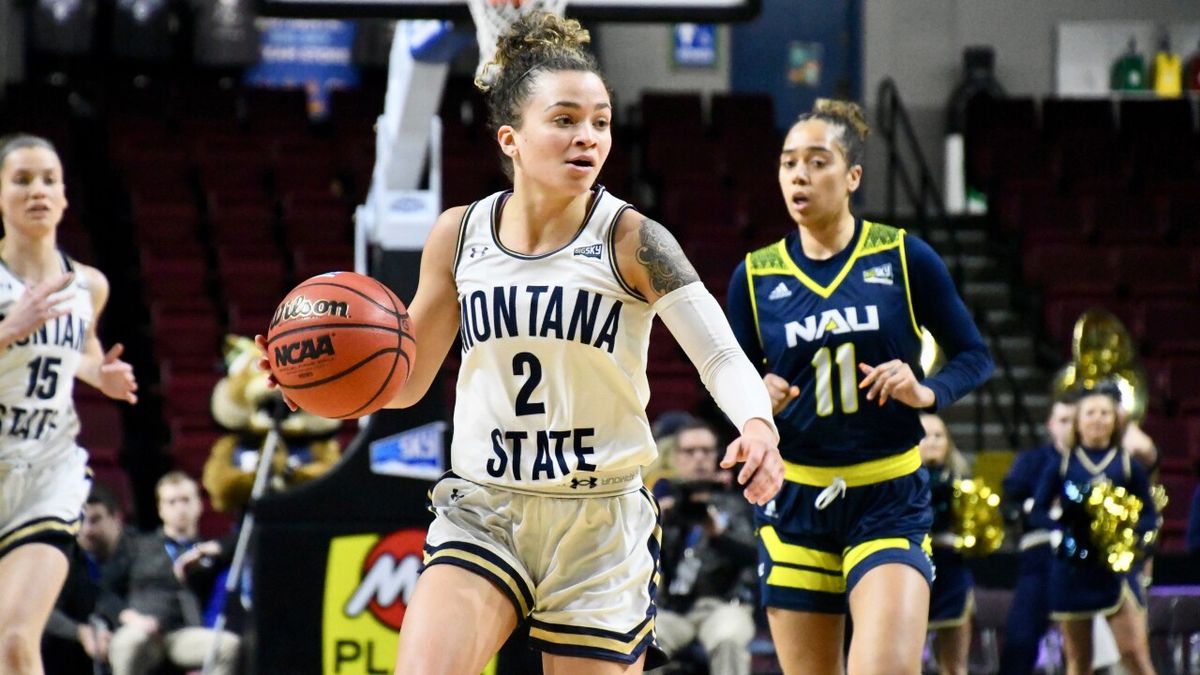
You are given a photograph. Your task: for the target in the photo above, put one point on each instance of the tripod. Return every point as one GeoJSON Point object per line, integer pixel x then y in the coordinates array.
{"type": "Point", "coordinates": [262, 474]}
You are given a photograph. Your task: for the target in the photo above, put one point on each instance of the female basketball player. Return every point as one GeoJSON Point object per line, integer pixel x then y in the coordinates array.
{"type": "Point", "coordinates": [552, 287]}
{"type": "Point", "coordinates": [50, 306]}
{"type": "Point", "coordinates": [950, 602]}
{"type": "Point", "coordinates": [1079, 590]}
{"type": "Point", "coordinates": [834, 313]}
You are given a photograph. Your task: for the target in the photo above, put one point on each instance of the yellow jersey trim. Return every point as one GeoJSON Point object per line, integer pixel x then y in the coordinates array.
{"type": "Point", "coordinates": [791, 577]}
{"type": "Point", "coordinates": [855, 475]}
{"type": "Point", "coordinates": [754, 301]}
{"type": "Point", "coordinates": [861, 552]}
{"type": "Point", "coordinates": [912, 316]}
{"type": "Point", "coordinates": [793, 554]}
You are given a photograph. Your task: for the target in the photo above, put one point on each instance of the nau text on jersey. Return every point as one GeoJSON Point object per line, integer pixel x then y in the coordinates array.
{"type": "Point", "coordinates": [65, 331]}
{"type": "Point", "coordinates": [833, 322]}
{"type": "Point", "coordinates": [554, 312]}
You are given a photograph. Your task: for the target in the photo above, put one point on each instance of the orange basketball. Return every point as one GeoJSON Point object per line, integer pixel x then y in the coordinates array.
{"type": "Point", "coordinates": [341, 345]}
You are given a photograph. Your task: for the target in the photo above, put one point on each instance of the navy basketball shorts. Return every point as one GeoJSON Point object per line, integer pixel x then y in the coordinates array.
{"type": "Point", "coordinates": [829, 526]}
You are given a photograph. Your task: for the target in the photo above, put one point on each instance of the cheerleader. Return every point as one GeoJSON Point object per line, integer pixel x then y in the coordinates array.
{"type": "Point", "coordinates": [951, 600]}
{"type": "Point", "coordinates": [1081, 589]}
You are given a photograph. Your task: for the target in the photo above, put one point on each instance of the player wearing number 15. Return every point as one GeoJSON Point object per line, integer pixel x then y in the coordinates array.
{"type": "Point", "coordinates": [834, 313]}
{"type": "Point", "coordinates": [552, 287]}
{"type": "Point", "coordinates": [49, 306]}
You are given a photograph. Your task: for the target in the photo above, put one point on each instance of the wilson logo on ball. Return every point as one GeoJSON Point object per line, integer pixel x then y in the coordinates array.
{"type": "Point", "coordinates": [304, 350]}
{"type": "Point", "coordinates": [301, 307]}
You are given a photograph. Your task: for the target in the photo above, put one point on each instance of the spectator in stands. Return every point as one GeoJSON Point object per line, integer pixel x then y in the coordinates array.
{"type": "Point", "coordinates": [951, 602]}
{"type": "Point", "coordinates": [1029, 615]}
{"type": "Point", "coordinates": [49, 308]}
{"type": "Point", "coordinates": [1081, 589]}
{"type": "Point", "coordinates": [75, 635]}
{"type": "Point", "coordinates": [163, 585]}
{"type": "Point", "coordinates": [708, 556]}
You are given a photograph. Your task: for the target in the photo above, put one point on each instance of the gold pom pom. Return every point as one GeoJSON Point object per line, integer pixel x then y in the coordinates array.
{"type": "Point", "coordinates": [1114, 516]}
{"type": "Point", "coordinates": [975, 511]}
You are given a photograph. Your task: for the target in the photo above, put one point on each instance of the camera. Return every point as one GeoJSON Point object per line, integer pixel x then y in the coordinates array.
{"type": "Point", "coordinates": [693, 499]}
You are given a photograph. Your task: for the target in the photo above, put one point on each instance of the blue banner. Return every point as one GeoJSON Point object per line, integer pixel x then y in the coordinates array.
{"type": "Point", "coordinates": [315, 55]}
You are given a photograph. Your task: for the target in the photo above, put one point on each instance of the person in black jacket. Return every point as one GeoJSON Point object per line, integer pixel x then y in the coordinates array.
{"type": "Point", "coordinates": [708, 556]}
{"type": "Point", "coordinates": [76, 637]}
{"type": "Point", "coordinates": [160, 588]}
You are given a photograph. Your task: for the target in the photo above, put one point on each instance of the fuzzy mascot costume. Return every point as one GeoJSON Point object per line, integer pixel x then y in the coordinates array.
{"type": "Point", "coordinates": [241, 403]}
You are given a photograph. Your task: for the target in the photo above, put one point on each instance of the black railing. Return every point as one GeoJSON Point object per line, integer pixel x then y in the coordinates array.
{"type": "Point", "coordinates": [918, 187]}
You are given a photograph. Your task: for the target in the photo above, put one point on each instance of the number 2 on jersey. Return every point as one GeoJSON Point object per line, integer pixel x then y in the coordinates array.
{"type": "Point", "coordinates": [847, 379]}
{"type": "Point", "coordinates": [520, 361]}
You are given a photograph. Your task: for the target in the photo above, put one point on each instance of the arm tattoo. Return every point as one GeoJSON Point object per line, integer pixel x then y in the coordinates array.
{"type": "Point", "coordinates": [665, 262]}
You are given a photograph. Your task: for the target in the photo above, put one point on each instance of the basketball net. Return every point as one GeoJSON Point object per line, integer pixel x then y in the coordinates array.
{"type": "Point", "coordinates": [493, 17]}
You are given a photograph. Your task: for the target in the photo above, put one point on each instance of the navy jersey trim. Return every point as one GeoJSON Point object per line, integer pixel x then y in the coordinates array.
{"type": "Point", "coordinates": [497, 206]}
{"type": "Point", "coordinates": [611, 238]}
{"type": "Point", "coordinates": [462, 236]}
{"type": "Point", "coordinates": [522, 604]}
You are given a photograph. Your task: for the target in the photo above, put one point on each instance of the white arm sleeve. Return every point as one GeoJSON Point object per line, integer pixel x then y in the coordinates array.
{"type": "Point", "coordinates": [699, 325]}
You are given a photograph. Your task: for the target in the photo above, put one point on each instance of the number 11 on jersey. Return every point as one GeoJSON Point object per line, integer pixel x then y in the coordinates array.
{"type": "Point", "coordinates": [847, 379]}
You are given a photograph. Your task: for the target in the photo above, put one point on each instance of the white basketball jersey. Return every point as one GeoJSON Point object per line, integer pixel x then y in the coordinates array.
{"type": "Point", "coordinates": [552, 390]}
{"type": "Point", "coordinates": [37, 376]}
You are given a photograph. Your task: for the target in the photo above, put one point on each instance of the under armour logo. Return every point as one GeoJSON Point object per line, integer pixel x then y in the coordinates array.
{"type": "Point", "coordinates": [477, 251]}
{"type": "Point", "coordinates": [575, 483]}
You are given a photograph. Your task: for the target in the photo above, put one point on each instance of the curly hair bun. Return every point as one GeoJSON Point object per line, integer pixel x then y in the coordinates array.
{"type": "Point", "coordinates": [533, 39]}
{"type": "Point", "coordinates": [847, 111]}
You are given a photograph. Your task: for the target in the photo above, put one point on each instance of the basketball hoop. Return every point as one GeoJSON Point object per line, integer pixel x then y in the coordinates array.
{"type": "Point", "coordinates": [493, 17]}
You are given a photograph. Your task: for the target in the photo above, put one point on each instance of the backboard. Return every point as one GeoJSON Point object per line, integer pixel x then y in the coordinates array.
{"type": "Point", "coordinates": [599, 10]}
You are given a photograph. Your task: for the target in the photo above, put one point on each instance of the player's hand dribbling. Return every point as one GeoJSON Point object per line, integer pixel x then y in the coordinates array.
{"type": "Point", "coordinates": [264, 364]}
{"type": "Point", "coordinates": [895, 379]}
{"type": "Point", "coordinates": [762, 472]}
{"type": "Point", "coordinates": [781, 392]}
{"type": "Point", "coordinates": [42, 302]}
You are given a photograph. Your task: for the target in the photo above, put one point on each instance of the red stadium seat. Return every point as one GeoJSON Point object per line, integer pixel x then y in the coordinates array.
{"type": "Point", "coordinates": [1168, 326]}
{"type": "Point", "coordinates": [674, 392]}
{"type": "Point", "coordinates": [101, 431]}
{"type": "Point", "coordinates": [1151, 271]}
{"type": "Point", "coordinates": [190, 339]}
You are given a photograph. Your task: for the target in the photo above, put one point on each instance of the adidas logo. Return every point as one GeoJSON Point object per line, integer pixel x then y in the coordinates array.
{"type": "Point", "coordinates": [781, 291]}
{"type": "Point", "coordinates": [881, 274]}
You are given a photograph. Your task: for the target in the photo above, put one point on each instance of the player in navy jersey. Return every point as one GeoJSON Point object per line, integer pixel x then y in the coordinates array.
{"type": "Point", "coordinates": [49, 306]}
{"type": "Point", "coordinates": [833, 313]}
{"type": "Point", "coordinates": [552, 287]}
{"type": "Point", "coordinates": [1029, 615]}
{"type": "Point", "coordinates": [1082, 589]}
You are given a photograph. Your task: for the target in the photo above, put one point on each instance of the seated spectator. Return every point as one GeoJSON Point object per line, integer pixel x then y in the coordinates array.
{"type": "Point", "coordinates": [76, 638]}
{"type": "Point", "coordinates": [708, 556]}
{"type": "Point", "coordinates": [162, 585]}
